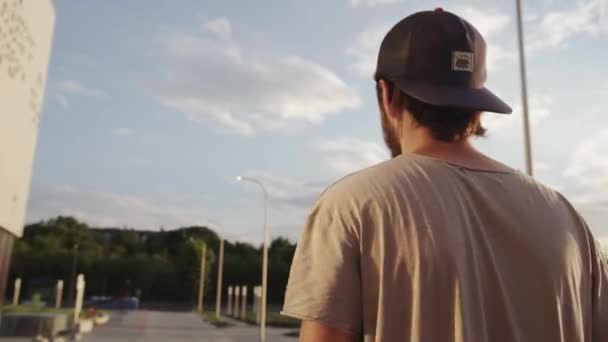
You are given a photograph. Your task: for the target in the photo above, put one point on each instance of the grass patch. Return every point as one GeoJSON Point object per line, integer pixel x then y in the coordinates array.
{"type": "Point", "coordinates": [216, 322]}
{"type": "Point", "coordinates": [33, 309]}
{"type": "Point", "coordinates": [274, 319]}
{"type": "Point", "coordinates": [26, 309]}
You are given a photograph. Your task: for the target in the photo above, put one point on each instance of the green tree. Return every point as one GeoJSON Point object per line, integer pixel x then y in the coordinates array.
{"type": "Point", "coordinates": [164, 265]}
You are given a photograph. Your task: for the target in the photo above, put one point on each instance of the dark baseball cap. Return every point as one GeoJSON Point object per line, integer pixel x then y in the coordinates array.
{"type": "Point", "coordinates": [438, 58]}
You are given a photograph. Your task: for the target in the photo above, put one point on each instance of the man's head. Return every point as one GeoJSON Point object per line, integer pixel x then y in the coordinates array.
{"type": "Point", "coordinates": [401, 115]}
{"type": "Point", "coordinates": [430, 78]}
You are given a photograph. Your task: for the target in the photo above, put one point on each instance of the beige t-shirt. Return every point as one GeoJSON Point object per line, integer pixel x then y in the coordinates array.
{"type": "Point", "coordinates": [417, 249]}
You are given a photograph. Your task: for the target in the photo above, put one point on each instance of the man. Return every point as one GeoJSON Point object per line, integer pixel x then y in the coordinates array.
{"type": "Point", "coordinates": [442, 243]}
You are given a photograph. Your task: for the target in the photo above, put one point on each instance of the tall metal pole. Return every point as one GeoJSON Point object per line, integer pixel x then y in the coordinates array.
{"type": "Point", "coordinates": [524, 90]}
{"type": "Point", "coordinates": [263, 303]}
{"type": "Point", "coordinates": [201, 281]}
{"type": "Point", "coordinates": [264, 269]}
{"type": "Point", "coordinates": [220, 275]}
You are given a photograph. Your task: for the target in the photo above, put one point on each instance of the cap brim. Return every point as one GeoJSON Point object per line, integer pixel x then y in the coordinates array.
{"type": "Point", "coordinates": [480, 99]}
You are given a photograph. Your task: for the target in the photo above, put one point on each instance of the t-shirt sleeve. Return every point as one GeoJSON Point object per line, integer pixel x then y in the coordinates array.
{"type": "Point", "coordinates": [599, 271]}
{"type": "Point", "coordinates": [325, 279]}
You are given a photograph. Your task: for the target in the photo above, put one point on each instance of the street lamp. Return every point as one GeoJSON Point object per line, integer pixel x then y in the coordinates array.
{"type": "Point", "coordinates": [524, 89]}
{"type": "Point", "coordinates": [220, 274]}
{"type": "Point", "coordinates": [264, 257]}
{"type": "Point", "coordinates": [220, 271]}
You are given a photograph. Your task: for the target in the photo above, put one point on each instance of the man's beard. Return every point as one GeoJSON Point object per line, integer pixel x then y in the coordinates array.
{"type": "Point", "coordinates": [391, 138]}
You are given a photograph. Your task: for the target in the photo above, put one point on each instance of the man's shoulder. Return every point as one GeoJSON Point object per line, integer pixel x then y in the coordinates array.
{"type": "Point", "coordinates": [369, 181]}
{"type": "Point", "coordinates": [407, 172]}
{"type": "Point", "coordinates": [533, 184]}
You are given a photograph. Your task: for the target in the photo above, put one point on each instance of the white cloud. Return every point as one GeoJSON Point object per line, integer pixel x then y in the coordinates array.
{"type": "Point", "coordinates": [530, 17]}
{"type": "Point", "coordinates": [220, 26]}
{"type": "Point", "coordinates": [588, 165]}
{"type": "Point", "coordinates": [365, 48]}
{"type": "Point", "coordinates": [539, 110]}
{"type": "Point", "coordinates": [588, 170]}
{"type": "Point", "coordinates": [286, 191]}
{"type": "Point", "coordinates": [555, 28]}
{"type": "Point", "coordinates": [497, 55]}
{"type": "Point", "coordinates": [106, 209]}
{"type": "Point", "coordinates": [203, 112]}
{"type": "Point", "coordinates": [488, 23]}
{"type": "Point", "coordinates": [72, 87]}
{"type": "Point", "coordinates": [347, 155]}
{"type": "Point", "coordinates": [342, 155]}
{"type": "Point", "coordinates": [602, 90]}
{"type": "Point", "coordinates": [63, 90]}
{"type": "Point", "coordinates": [218, 83]}
{"type": "Point", "coordinates": [373, 3]}
{"type": "Point", "coordinates": [541, 166]}
{"type": "Point", "coordinates": [122, 131]}
{"type": "Point", "coordinates": [62, 100]}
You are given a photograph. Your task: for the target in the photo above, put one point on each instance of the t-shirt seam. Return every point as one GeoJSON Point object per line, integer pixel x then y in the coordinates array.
{"type": "Point", "coordinates": [414, 156]}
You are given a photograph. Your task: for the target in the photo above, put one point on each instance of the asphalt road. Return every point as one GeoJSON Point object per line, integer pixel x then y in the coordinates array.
{"type": "Point", "coordinates": [156, 326]}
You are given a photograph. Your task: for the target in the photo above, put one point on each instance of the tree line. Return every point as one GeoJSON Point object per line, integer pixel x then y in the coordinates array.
{"type": "Point", "coordinates": [156, 265]}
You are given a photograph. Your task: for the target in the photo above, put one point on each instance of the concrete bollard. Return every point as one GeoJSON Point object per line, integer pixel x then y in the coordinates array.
{"type": "Point", "coordinates": [258, 311]}
{"type": "Point", "coordinates": [17, 291]}
{"type": "Point", "coordinates": [229, 305]}
{"type": "Point", "coordinates": [244, 303]}
{"type": "Point", "coordinates": [237, 301]}
{"type": "Point", "coordinates": [80, 285]}
{"type": "Point", "coordinates": [58, 294]}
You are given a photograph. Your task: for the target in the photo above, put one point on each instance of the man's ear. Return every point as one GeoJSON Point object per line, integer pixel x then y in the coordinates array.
{"type": "Point", "coordinates": [385, 93]}
{"type": "Point", "coordinates": [390, 97]}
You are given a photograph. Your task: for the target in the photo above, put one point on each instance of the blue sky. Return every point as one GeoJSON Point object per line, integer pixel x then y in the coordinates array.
{"type": "Point", "coordinates": [153, 108]}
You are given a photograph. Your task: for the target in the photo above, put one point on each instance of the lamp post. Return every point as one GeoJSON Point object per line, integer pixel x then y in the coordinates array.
{"type": "Point", "coordinates": [524, 89]}
{"type": "Point", "coordinates": [220, 271]}
{"type": "Point", "coordinates": [264, 256]}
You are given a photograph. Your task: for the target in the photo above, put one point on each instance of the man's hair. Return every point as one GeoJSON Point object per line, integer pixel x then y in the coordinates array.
{"type": "Point", "coordinates": [445, 123]}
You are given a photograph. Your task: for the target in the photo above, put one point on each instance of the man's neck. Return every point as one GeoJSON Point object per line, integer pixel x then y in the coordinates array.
{"type": "Point", "coordinates": [460, 152]}
{"type": "Point", "coordinates": [449, 151]}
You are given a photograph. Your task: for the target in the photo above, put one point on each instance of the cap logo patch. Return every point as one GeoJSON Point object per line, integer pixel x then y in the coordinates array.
{"type": "Point", "coordinates": [462, 61]}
